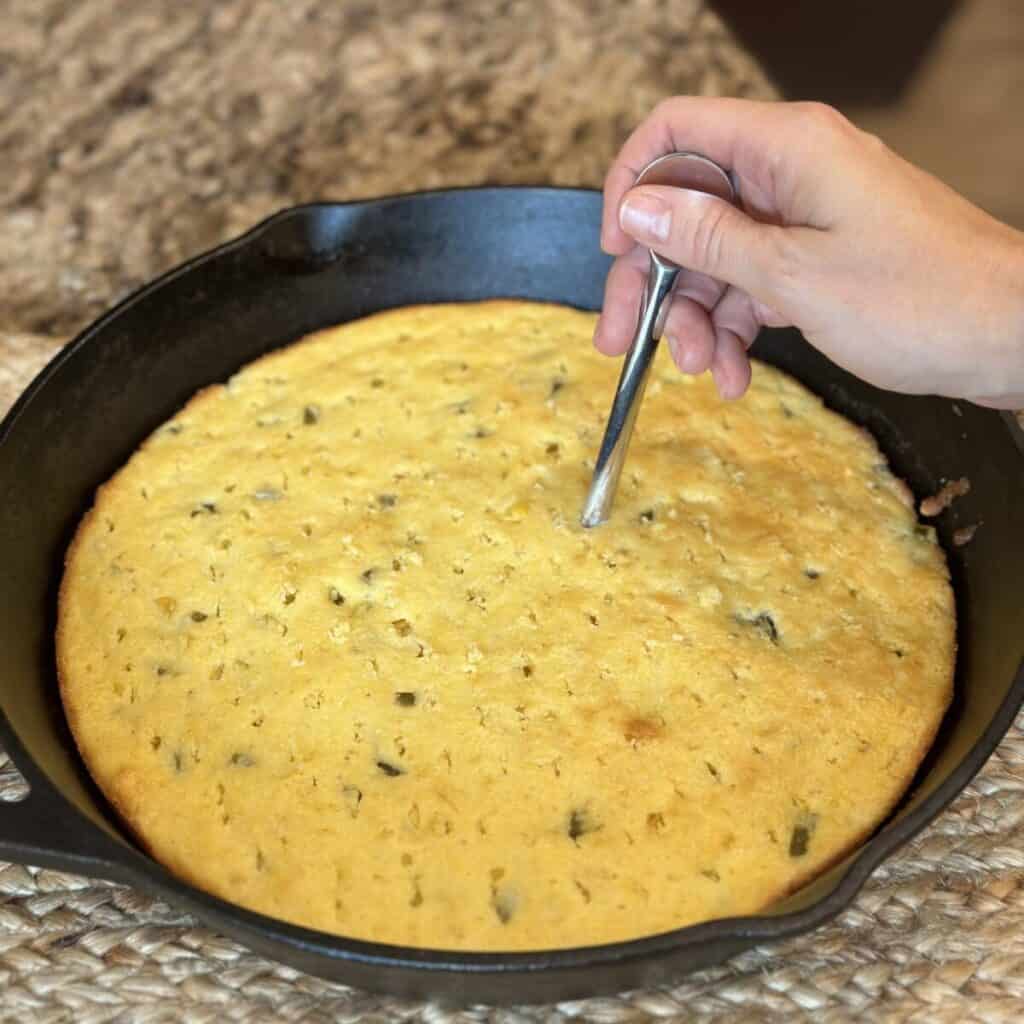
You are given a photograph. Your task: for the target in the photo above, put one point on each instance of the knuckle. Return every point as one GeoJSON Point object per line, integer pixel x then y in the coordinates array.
{"type": "Point", "coordinates": [663, 109]}
{"type": "Point", "coordinates": [738, 318]}
{"type": "Point", "coordinates": [704, 239]}
{"type": "Point", "coordinates": [787, 261]}
{"type": "Point", "coordinates": [822, 117]}
{"type": "Point", "coordinates": [701, 288]}
{"type": "Point", "coordinates": [872, 142]}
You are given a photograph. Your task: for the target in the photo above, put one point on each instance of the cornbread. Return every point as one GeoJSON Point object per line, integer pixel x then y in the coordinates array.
{"type": "Point", "coordinates": [336, 648]}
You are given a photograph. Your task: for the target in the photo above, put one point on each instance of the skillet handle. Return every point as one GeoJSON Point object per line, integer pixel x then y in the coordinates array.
{"type": "Point", "coordinates": [44, 829]}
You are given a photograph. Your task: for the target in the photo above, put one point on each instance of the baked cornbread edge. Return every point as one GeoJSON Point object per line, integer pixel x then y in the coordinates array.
{"type": "Point", "coordinates": [902, 794]}
{"type": "Point", "coordinates": [120, 799]}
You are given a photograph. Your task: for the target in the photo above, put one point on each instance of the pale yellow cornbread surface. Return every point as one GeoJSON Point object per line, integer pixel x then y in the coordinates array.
{"type": "Point", "coordinates": [337, 649]}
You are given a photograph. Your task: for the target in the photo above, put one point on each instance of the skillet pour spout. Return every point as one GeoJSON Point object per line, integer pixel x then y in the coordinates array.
{"type": "Point", "coordinates": [322, 264]}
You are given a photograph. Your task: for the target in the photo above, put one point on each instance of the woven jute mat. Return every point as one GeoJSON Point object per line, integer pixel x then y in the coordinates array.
{"type": "Point", "coordinates": [135, 135]}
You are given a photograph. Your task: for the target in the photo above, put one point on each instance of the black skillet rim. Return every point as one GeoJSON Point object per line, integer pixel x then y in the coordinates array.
{"type": "Point", "coordinates": [132, 866]}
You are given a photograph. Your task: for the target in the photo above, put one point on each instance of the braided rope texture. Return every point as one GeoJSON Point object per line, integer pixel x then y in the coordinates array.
{"type": "Point", "coordinates": [135, 135]}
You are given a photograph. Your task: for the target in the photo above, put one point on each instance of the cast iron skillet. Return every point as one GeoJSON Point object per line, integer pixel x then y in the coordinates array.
{"type": "Point", "coordinates": [322, 264]}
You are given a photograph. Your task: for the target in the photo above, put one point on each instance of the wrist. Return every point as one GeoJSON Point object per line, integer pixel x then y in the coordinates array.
{"type": "Point", "coordinates": [1000, 380]}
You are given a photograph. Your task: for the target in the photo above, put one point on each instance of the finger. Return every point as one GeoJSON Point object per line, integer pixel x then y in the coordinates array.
{"type": "Point", "coordinates": [711, 236]}
{"type": "Point", "coordinates": [730, 367]}
{"type": "Point", "coordinates": [760, 143]}
{"type": "Point", "coordinates": [699, 287]}
{"type": "Point", "coordinates": [736, 322]}
{"type": "Point", "coordinates": [689, 335]}
{"type": "Point", "coordinates": [618, 181]}
{"type": "Point", "coordinates": [623, 287]}
{"type": "Point", "coordinates": [737, 313]}
{"type": "Point", "coordinates": [688, 329]}
{"type": "Point", "coordinates": [710, 126]}
{"type": "Point", "coordinates": [768, 317]}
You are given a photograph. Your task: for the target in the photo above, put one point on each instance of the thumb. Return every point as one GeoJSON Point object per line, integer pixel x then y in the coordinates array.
{"type": "Point", "coordinates": [706, 234]}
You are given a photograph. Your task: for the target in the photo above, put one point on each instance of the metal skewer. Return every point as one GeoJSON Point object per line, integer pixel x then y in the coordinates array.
{"type": "Point", "coordinates": [679, 170]}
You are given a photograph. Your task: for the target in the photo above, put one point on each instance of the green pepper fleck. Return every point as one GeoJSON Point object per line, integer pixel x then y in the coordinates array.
{"type": "Point", "coordinates": [580, 823]}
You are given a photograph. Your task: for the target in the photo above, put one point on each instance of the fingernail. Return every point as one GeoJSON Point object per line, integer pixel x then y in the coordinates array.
{"type": "Point", "coordinates": [673, 347]}
{"type": "Point", "coordinates": [597, 333]}
{"type": "Point", "coordinates": [645, 217]}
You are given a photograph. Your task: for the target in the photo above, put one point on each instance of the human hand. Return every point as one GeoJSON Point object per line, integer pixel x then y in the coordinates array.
{"type": "Point", "coordinates": [889, 272]}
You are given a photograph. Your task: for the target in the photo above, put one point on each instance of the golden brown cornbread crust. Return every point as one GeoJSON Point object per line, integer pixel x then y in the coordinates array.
{"type": "Point", "coordinates": [350, 660]}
